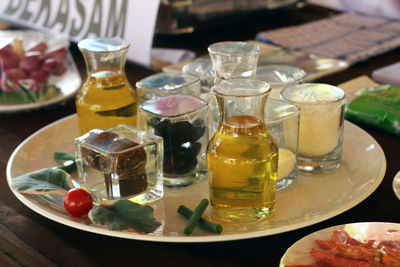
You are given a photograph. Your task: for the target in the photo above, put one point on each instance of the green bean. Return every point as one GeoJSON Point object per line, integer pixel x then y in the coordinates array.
{"type": "Point", "coordinates": [194, 219]}
{"type": "Point", "coordinates": [203, 223]}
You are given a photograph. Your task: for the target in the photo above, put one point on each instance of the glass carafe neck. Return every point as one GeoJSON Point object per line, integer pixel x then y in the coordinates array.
{"type": "Point", "coordinates": [104, 54]}
{"type": "Point", "coordinates": [241, 101]}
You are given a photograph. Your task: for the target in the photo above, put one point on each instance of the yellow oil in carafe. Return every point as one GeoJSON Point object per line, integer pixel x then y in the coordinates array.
{"type": "Point", "coordinates": [105, 100]}
{"type": "Point", "coordinates": [241, 162]}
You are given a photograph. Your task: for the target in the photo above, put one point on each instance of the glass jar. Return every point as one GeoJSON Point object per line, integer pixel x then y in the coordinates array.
{"type": "Point", "coordinates": [279, 77]}
{"type": "Point", "coordinates": [321, 124]}
{"type": "Point", "coordinates": [201, 68]}
{"type": "Point", "coordinates": [120, 162]}
{"type": "Point", "coordinates": [282, 119]}
{"type": "Point", "coordinates": [106, 97]}
{"type": "Point", "coordinates": [242, 157]}
{"type": "Point", "coordinates": [181, 120]}
{"type": "Point", "coordinates": [162, 84]}
{"type": "Point", "coordinates": [234, 60]}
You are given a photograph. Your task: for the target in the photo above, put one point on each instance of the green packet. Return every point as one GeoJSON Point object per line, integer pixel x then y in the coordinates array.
{"type": "Point", "coordinates": [377, 106]}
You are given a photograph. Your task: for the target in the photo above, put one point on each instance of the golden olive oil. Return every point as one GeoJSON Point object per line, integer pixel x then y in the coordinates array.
{"type": "Point", "coordinates": [242, 168]}
{"type": "Point", "coordinates": [105, 100]}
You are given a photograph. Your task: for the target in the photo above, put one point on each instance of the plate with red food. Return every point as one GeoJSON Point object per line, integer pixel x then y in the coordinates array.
{"type": "Point", "coordinates": [366, 244]}
{"type": "Point", "coordinates": [36, 70]}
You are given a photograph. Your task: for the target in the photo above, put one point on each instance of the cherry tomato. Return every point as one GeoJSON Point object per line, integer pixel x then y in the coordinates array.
{"type": "Point", "coordinates": [78, 202]}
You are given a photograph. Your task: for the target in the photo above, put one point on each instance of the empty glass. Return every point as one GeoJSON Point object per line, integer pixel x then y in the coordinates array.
{"type": "Point", "coordinates": [230, 60]}
{"type": "Point", "coordinates": [282, 120]}
{"type": "Point", "coordinates": [201, 68]}
{"type": "Point", "coordinates": [279, 77]}
{"type": "Point", "coordinates": [234, 60]}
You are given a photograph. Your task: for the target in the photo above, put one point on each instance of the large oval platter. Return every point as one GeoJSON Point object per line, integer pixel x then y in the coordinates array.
{"type": "Point", "coordinates": [312, 199]}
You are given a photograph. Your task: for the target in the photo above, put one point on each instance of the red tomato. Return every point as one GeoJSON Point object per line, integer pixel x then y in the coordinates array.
{"type": "Point", "coordinates": [78, 202]}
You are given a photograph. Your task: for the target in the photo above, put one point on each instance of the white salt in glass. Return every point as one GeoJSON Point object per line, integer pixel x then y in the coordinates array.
{"type": "Point", "coordinates": [321, 124]}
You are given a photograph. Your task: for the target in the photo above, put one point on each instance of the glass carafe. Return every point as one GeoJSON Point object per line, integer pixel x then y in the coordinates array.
{"type": "Point", "coordinates": [242, 157]}
{"type": "Point", "coordinates": [106, 97]}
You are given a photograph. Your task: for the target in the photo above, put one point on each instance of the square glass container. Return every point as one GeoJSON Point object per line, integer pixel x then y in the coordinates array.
{"type": "Point", "coordinates": [162, 84]}
{"type": "Point", "coordinates": [321, 124]}
{"type": "Point", "coordinates": [181, 120]}
{"type": "Point", "coordinates": [121, 162]}
{"type": "Point", "coordinates": [282, 121]}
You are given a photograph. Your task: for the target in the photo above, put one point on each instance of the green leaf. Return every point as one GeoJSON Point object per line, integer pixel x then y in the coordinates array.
{"type": "Point", "coordinates": [59, 155]}
{"type": "Point", "coordinates": [125, 215]}
{"type": "Point", "coordinates": [69, 165]}
{"type": "Point", "coordinates": [17, 97]}
{"type": "Point", "coordinates": [24, 95]}
{"type": "Point", "coordinates": [44, 181]}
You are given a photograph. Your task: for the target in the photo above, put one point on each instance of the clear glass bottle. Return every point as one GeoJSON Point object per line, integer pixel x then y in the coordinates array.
{"type": "Point", "coordinates": [106, 97]}
{"type": "Point", "coordinates": [242, 157]}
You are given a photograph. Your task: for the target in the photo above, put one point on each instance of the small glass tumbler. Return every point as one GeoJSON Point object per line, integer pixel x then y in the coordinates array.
{"type": "Point", "coordinates": [181, 120]}
{"type": "Point", "coordinates": [201, 68]}
{"type": "Point", "coordinates": [282, 120]}
{"type": "Point", "coordinates": [321, 124]}
{"type": "Point", "coordinates": [234, 60]}
{"type": "Point", "coordinates": [162, 84]}
{"type": "Point", "coordinates": [279, 77]}
{"type": "Point", "coordinates": [230, 60]}
{"type": "Point", "coordinates": [121, 162]}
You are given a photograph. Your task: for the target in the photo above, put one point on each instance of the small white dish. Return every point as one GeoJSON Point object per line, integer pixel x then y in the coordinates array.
{"type": "Point", "coordinates": [396, 185]}
{"type": "Point", "coordinates": [68, 83]}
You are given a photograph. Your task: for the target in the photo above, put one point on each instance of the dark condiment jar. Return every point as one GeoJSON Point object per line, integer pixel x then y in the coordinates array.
{"type": "Point", "coordinates": [181, 120]}
{"type": "Point", "coordinates": [121, 162]}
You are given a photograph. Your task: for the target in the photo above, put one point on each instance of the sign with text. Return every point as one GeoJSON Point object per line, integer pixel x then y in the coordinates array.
{"type": "Point", "coordinates": [133, 20]}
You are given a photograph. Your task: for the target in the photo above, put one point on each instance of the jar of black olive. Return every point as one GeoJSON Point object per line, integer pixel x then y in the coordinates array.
{"type": "Point", "coordinates": [181, 120]}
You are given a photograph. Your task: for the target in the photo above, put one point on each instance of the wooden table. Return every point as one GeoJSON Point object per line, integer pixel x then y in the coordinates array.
{"type": "Point", "coordinates": [28, 239]}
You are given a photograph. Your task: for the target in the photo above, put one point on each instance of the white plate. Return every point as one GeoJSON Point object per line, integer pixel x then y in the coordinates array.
{"type": "Point", "coordinates": [299, 252]}
{"type": "Point", "coordinates": [396, 185]}
{"type": "Point", "coordinates": [312, 199]}
{"type": "Point", "coordinates": [69, 82]}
